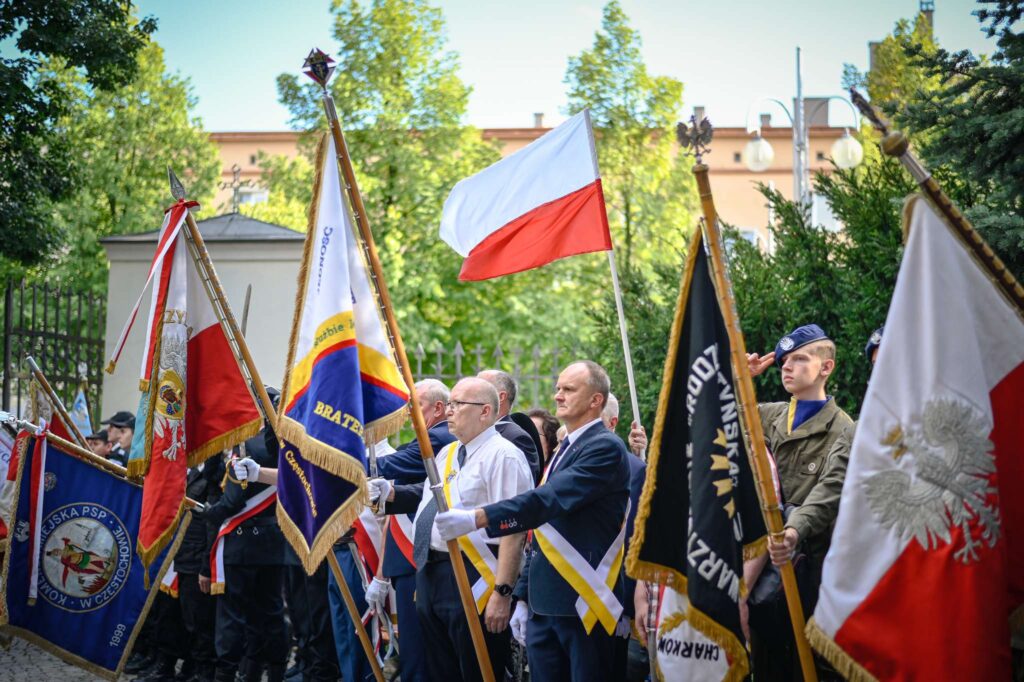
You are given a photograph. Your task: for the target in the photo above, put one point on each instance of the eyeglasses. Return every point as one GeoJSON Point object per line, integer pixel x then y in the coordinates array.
{"type": "Point", "coordinates": [454, 405]}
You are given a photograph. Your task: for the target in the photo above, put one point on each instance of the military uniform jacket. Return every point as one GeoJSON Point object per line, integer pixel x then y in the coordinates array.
{"type": "Point", "coordinates": [812, 465]}
{"type": "Point", "coordinates": [202, 486]}
{"type": "Point", "coordinates": [258, 541]}
{"type": "Point", "coordinates": [585, 499]}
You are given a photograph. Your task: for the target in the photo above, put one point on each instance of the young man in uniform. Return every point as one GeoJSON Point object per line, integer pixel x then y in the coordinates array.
{"type": "Point", "coordinates": [809, 437]}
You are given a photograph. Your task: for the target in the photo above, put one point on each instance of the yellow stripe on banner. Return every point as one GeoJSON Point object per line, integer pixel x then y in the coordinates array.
{"type": "Point", "coordinates": [791, 415]}
{"type": "Point", "coordinates": [335, 329]}
{"type": "Point", "coordinates": [381, 367]}
{"type": "Point", "coordinates": [465, 544]}
{"type": "Point", "coordinates": [579, 584]}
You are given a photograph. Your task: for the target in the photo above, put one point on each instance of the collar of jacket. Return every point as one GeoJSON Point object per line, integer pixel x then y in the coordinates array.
{"type": "Point", "coordinates": [819, 423]}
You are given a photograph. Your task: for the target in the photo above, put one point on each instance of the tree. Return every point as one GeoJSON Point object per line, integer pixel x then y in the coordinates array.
{"type": "Point", "coordinates": [974, 124]}
{"type": "Point", "coordinates": [402, 106]}
{"type": "Point", "coordinates": [123, 142]}
{"type": "Point", "coordinates": [100, 40]}
{"type": "Point", "coordinates": [648, 189]}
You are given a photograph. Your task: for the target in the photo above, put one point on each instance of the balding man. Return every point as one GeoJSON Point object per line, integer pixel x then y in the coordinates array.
{"type": "Point", "coordinates": [404, 467]}
{"type": "Point", "coordinates": [511, 431]}
{"type": "Point", "coordinates": [567, 613]}
{"type": "Point", "coordinates": [481, 468]}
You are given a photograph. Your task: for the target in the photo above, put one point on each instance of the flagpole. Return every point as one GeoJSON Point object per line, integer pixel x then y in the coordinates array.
{"type": "Point", "coordinates": [320, 71]}
{"type": "Point", "coordinates": [624, 336]}
{"type": "Point", "coordinates": [894, 143]}
{"type": "Point", "coordinates": [55, 402]}
{"type": "Point", "coordinates": [219, 301]}
{"type": "Point", "coordinates": [357, 620]}
{"type": "Point", "coordinates": [697, 137]}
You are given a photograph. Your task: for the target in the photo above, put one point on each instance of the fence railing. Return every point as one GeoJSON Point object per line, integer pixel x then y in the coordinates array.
{"type": "Point", "coordinates": [534, 369]}
{"type": "Point", "coordinates": [63, 330]}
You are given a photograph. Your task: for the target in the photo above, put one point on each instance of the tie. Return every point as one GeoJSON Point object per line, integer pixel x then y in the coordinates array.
{"type": "Point", "coordinates": [558, 455]}
{"type": "Point", "coordinates": [425, 523]}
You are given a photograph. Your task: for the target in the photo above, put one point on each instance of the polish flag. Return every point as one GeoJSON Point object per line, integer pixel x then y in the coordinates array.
{"type": "Point", "coordinates": [533, 207]}
{"type": "Point", "coordinates": [926, 570]}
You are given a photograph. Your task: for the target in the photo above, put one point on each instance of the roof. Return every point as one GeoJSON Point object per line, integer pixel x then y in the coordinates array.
{"type": "Point", "coordinates": [230, 227]}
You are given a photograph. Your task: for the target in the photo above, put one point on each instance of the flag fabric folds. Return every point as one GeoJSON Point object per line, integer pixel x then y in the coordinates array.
{"type": "Point", "coordinates": [698, 474]}
{"type": "Point", "coordinates": [80, 412]}
{"type": "Point", "coordinates": [925, 573]}
{"type": "Point", "coordinates": [342, 385]}
{"type": "Point", "coordinates": [196, 401]}
{"type": "Point", "coordinates": [76, 523]}
{"type": "Point", "coordinates": [533, 207]}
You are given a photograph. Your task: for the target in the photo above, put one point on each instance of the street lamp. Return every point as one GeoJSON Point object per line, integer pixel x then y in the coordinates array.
{"type": "Point", "coordinates": [758, 153]}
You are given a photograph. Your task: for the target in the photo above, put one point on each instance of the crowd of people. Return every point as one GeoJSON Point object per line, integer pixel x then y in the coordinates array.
{"type": "Point", "coordinates": [540, 505]}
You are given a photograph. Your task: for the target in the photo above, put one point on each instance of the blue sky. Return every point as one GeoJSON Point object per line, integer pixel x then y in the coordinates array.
{"type": "Point", "coordinates": [727, 53]}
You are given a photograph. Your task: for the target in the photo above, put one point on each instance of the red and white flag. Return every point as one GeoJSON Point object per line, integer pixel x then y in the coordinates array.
{"type": "Point", "coordinates": [926, 568]}
{"type": "Point", "coordinates": [540, 204]}
{"type": "Point", "coordinates": [196, 402]}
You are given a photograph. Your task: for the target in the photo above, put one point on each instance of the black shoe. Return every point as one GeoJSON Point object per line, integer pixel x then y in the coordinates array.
{"type": "Point", "coordinates": [188, 673]}
{"type": "Point", "coordinates": [275, 673]}
{"type": "Point", "coordinates": [294, 673]}
{"type": "Point", "coordinates": [137, 662]}
{"type": "Point", "coordinates": [163, 671]}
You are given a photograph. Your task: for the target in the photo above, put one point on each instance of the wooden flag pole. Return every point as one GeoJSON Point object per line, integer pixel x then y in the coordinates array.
{"type": "Point", "coordinates": [357, 620]}
{"type": "Point", "coordinates": [55, 402]}
{"type": "Point", "coordinates": [895, 143]}
{"type": "Point", "coordinates": [698, 137]}
{"type": "Point", "coordinates": [320, 71]}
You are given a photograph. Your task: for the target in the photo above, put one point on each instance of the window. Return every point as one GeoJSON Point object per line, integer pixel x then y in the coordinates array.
{"type": "Point", "coordinates": [252, 159]}
{"type": "Point", "coordinates": [737, 157]}
{"type": "Point", "coordinates": [820, 156]}
{"type": "Point", "coordinates": [252, 195]}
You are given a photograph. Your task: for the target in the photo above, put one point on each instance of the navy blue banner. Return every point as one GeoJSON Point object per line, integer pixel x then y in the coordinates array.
{"type": "Point", "coordinates": [90, 598]}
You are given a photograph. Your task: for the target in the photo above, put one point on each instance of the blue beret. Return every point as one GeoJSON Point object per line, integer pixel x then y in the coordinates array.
{"type": "Point", "coordinates": [874, 341]}
{"type": "Point", "coordinates": [799, 337]}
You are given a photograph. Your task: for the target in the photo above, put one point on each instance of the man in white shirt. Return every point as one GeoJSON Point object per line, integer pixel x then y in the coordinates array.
{"type": "Point", "coordinates": [480, 468]}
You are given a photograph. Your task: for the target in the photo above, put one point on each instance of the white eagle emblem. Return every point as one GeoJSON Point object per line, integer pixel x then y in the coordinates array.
{"type": "Point", "coordinates": [786, 343]}
{"type": "Point", "coordinates": [950, 483]}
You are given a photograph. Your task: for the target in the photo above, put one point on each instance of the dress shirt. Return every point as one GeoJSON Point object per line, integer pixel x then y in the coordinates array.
{"type": "Point", "coordinates": [494, 470]}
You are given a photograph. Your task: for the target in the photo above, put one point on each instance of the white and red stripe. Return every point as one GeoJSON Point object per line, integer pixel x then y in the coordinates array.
{"type": "Point", "coordinates": [369, 538]}
{"type": "Point", "coordinates": [253, 506]}
{"type": "Point", "coordinates": [540, 204]}
{"type": "Point", "coordinates": [888, 605]}
{"type": "Point", "coordinates": [402, 529]}
{"type": "Point", "coordinates": [36, 492]}
{"type": "Point", "coordinates": [169, 583]}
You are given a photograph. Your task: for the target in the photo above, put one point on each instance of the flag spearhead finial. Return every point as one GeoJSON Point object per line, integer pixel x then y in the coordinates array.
{"type": "Point", "coordinates": [319, 66]}
{"type": "Point", "coordinates": [695, 137]}
{"type": "Point", "coordinates": [177, 189]}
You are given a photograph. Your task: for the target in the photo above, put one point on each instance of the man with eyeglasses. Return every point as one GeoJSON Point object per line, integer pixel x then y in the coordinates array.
{"type": "Point", "coordinates": [480, 468]}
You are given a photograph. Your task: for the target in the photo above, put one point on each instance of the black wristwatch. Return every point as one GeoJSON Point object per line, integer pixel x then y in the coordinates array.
{"type": "Point", "coordinates": [505, 590]}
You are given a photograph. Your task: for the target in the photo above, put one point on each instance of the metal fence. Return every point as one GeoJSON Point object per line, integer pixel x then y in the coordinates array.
{"type": "Point", "coordinates": [535, 370]}
{"type": "Point", "coordinates": [63, 330]}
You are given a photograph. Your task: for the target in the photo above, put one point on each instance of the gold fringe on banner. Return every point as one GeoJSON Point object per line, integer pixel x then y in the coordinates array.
{"type": "Point", "coordinates": [224, 441]}
{"type": "Point", "coordinates": [5, 566]}
{"type": "Point", "coordinates": [834, 654]}
{"type": "Point", "coordinates": [385, 426]}
{"type": "Point", "coordinates": [148, 554]}
{"type": "Point", "coordinates": [337, 525]}
{"type": "Point", "coordinates": [756, 548]}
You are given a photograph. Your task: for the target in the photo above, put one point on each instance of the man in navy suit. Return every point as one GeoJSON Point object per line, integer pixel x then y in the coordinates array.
{"type": "Point", "coordinates": [578, 515]}
{"type": "Point", "coordinates": [405, 466]}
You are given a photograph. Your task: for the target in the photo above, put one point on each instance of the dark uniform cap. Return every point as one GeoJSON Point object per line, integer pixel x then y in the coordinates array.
{"type": "Point", "coordinates": [874, 341]}
{"type": "Point", "coordinates": [100, 435]}
{"type": "Point", "coordinates": [122, 420]}
{"type": "Point", "coordinates": [798, 338]}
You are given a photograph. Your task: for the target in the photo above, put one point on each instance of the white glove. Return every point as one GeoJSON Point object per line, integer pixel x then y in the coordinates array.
{"type": "Point", "coordinates": [624, 628]}
{"type": "Point", "coordinates": [379, 489]}
{"type": "Point", "coordinates": [246, 469]}
{"type": "Point", "coordinates": [518, 622]}
{"type": "Point", "coordinates": [455, 522]}
{"type": "Point", "coordinates": [377, 594]}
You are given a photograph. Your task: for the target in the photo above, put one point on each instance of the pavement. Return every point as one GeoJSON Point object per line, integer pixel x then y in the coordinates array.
{"type": "Point", "coordinates": [24, 662]}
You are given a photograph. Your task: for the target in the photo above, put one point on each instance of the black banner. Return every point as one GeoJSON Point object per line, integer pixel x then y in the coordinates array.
{"type": "Point", "coordinates": [699, 510]}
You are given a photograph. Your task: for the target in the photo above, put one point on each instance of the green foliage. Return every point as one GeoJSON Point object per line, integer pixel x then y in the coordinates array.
{"type": "Point", "coordinates": [289, 183]}
{"type": "Point", "coordinates": [973, 123]}
{"type": "Point", "coordinates": [395, 76]}
{"type": "Point", "coordinates": [648, 191]}
{"type": "Point", "coordinates": [841, 281]}
{"type": "Point", "coordinates": [123, 141]}
{"type": "Point", "coordinates": [98, 39]}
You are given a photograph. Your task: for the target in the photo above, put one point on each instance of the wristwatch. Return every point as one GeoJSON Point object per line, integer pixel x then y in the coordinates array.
{"type": "Point", "coordinates": [505, 590]}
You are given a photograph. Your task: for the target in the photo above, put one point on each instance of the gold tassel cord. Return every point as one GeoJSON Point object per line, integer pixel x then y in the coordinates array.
{"type": "Point", "coordinates": [834, 654]}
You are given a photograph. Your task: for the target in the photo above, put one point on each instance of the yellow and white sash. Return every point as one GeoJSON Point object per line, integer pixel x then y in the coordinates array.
{"type": "Point", "coordinates": [597, 601]}
{"type": "Point", "coordinates": [473, 545]}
